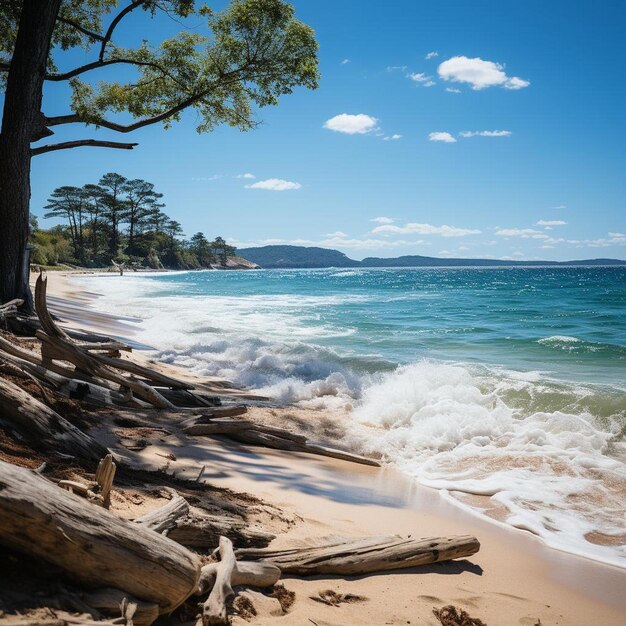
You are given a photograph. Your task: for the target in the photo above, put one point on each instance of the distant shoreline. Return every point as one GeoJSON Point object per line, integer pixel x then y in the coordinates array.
{"type": "Point", "coordinates": [303, 257]}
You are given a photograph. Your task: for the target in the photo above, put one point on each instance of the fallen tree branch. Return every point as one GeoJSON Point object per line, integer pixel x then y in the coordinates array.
{"type": "Point", "coordinates": [226, 574]}
{"type": "Point", "coordinates": [44, 427]}
{"type": "Point", "coordinates": [365, 556]}
{"type": "Point", "coordinates": [91, 544]}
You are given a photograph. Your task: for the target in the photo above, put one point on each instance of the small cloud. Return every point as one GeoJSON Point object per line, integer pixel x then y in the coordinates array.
{"type": "Point", "coordinates": [359, 124]}
{"type": "Point", "coordinates": [345, 62]}
{"type": "Point", "coordinates": [516, 83]}
{"type": "Point", "coordinates": [453, 90]}
{"type": "Point", "coordinates": [426, 229]}
{"type": "Point", "coordinates": [418, 77]}
{"type": "Point", "coordinates": [441, 136]}
{"type": "Point", "coordinates": [486, 133]}
{"type": "Point", "coordinates": [549, 223]}
{"type": "Point", "coordinates": [524, 233]}
{"type": "Point", "coordinates": [246, 175]}
{"type": "Point", "coordinates": [431, 55]}
{"type": "Point", "coordinates": [560, 206]}
{"type": "Point", "coordinates": [383, 220]}
{"type": "Point", "coordinates": [392, 137]}
{"type": "Point", "coordinates": [478, 73]}
{"type": "Point", "coordinates": [274, 184]}
{"type": "Point", "coordinates": [430, 83]}
{"type": "Point", "coordinates": [337, 234]}
{"type": "Point", "coordinates": [396, 68]}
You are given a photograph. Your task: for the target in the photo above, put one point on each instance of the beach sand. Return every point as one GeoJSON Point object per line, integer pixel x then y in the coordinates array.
{"type": "Point", "coordinates": [513, 579]}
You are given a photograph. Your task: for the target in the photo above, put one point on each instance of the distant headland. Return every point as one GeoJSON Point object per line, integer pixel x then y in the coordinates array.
{"type": "Point", "coordinates": [302, 257]}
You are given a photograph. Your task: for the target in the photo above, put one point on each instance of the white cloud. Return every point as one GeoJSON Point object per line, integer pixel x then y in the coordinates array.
{"type": "Point", "coordinates": [246, 175]}
{"type": "Point", "coordinates": [359, 124]}
{"type": "Point", "coordinates": [441, 136]}
{"type": "Point", "coordinates": [394, 137]}
{"type": "Point", "coordinates": [346, 61]}
{"type": "Point", "coordinates": [526, 233]}
{"type": "Point", "coordinates": [425, 229]}
{"type": "Point", "coordinates": [383, 220]}
{"type": "Point", "coordinates": [431, 55]}
{"type": "Point", "coordinates": [419, 78]}
{"type": "Point", "coordinates": [396, 68]}
{"type": "Point", "coordinates": [478, 73]}
{"type": "Point", "coordinates": [516, 83]}
{"type": "Point", "coordinates": [336, 240]}
{"type": "Point", "coordinates": [430, 83]}
{"type": "Point", "coordinates": [550, 223]}
{"type": "Point", "coordinates": [453, 90]}
{"type": "Point", "coordinates": [274, 184]}
{"type": "Point", "coordinates": [486, 133]}
{"type": "Point", "coordinates": [560, 206]}
{"type": "Point", "coordinates": [337, 234]}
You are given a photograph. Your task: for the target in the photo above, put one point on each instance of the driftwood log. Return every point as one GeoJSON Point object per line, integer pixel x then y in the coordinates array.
{"type": "Point", "coordinates": [249, 432]}
{"type": "Point", "coordinates": [226, 574]}
{"type": "Point", "coordinates": [163, 519]}
{"type": "Point", "coordinates": [44, 427]}
{"type": "Point", "coordinates": [90, 544]}
{"type": "Point", "coordinates": [365, 556]}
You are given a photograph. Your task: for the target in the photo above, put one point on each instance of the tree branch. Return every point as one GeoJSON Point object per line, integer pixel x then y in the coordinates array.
{"type": "Point", "coordinates": [82, 142]}
{"type": "Point", "coordinates": [125, 128]}
{"type": "Point", "coordinates": [83, 30]}
{"type": "Point", "coordinates": [116, 20]}
{"type": "Point", "coordinates": [96, 64]}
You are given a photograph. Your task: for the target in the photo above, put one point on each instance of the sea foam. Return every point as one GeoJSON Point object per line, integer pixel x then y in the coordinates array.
{"type": "Point", "coordinates": [535, 453]}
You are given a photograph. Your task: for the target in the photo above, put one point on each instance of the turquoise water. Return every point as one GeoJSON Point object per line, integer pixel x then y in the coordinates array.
{"type": "Point", "coordinates": [504, 383]}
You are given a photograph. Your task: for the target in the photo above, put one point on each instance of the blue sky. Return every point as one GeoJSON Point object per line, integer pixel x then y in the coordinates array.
{"type": "Point", "coordinates": [508, 142]}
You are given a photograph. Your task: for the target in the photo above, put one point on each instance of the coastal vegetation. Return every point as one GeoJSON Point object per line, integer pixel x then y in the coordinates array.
{"type": "Point", "coordinates": [119, 221]}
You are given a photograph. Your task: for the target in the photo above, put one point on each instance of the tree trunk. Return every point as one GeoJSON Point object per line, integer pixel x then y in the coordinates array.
{"type": "Point", "coordinates": [22, 123]}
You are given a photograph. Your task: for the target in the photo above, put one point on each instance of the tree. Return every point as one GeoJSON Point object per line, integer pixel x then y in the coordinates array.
{"type": "Point", "coordinates": [201, 247]}
{"type": "Point", "coordinates": [141, 200]}
{"type": "Point", "coordinates": [70, 203]}
{"type": "Point", "coordinates": [254, 52]}
{"type": "Point", "coordinates": [115, 207]}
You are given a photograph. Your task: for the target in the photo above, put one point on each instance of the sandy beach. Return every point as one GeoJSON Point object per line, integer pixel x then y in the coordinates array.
{"type": "Point", "coordinates": [513, 579]}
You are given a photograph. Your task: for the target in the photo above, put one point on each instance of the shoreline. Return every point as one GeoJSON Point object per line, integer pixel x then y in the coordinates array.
{"type": "Point", "coordinates": [514, 575]}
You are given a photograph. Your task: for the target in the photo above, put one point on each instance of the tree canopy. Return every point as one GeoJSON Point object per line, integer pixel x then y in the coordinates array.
{"type": "Point", "coordinates": [247, 56]}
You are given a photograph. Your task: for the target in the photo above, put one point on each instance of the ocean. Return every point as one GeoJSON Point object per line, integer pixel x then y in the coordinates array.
{"type": "Point", "coordinates": [503, 388]}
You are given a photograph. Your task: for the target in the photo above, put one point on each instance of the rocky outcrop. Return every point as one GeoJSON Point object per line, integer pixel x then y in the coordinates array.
{"type": "Point", "coordinates": [236, 263]}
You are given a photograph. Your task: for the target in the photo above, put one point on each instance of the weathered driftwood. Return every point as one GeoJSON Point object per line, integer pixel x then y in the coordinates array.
{"type": "Point", "coordinates": [91, 544]}
{"type": "Point", "coordinates": [114, 602]}
{"type": "Point", "coordinates": [163, 519]}
{"type": "Point", "coordinates": [104, 477]}
{"type": "Point", "coordinates": [44, 427]}
{"type": "Point", "coordinates": [365, 556]}
{"type": "Point", "coordinates": [249, 432]}
{"type": "Point", "coordinates": [57, 345]}
{"type": "Point", "coordinates": [226, 574]}
{"type": "Point", "coordinates": [57, 377]}
{"type": "Point", "coordinates": [203, 530]}
{"type": "Point", "coordinates": [193, 529]}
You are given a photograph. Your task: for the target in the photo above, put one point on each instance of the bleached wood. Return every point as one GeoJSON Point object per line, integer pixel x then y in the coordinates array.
{"type": "Point", "coordinates": [104, 477]}
{"type": "Point", "coordinates": [91, 544]}
{"type": "Point", "coordinates": [227, 573]}
{"type": "Point", "coordinates": [110, 601]}
{"type": "Point", "coordinates": [43, 426]}
{"type": "Point", "coordinates": [365, 556]}
{"type": "Point", "coordinates": [163, 519]}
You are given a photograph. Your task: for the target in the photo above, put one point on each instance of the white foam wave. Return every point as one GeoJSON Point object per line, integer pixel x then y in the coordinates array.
{"type": "Point", "coordinates": [544, 471]}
